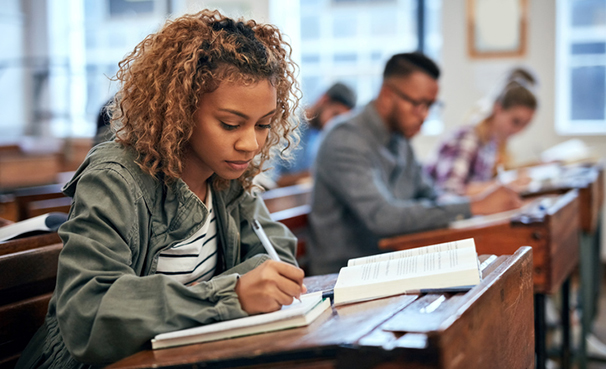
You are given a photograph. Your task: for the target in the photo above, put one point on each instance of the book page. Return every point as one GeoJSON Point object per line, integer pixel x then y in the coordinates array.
{"type": "Point", "coordinates": [424, 264]}
{"type": "Point", "coordinates": [486, 219]}
{"type": "Point", "coordinates": [441, 247]}
{"type": "Point", "coordinates": [43, 223]}
{"type": "Point", "coordinates": [530, 207]}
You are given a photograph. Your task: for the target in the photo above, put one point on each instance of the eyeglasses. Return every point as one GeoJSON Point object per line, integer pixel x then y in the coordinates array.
{"type": "Point", "coordinates": [423, 105]}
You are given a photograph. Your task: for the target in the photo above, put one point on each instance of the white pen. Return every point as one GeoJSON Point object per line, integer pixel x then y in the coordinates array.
{"type": "Point", "coordinates": [256, 226]}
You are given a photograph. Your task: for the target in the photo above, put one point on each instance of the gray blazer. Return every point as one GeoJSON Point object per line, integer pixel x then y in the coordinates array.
{"type": "Point", "coordinates": [368, 185]}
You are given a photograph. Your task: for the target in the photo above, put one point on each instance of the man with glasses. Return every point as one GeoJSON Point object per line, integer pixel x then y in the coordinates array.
{"type": "Point", "coordinates": [368, 184]}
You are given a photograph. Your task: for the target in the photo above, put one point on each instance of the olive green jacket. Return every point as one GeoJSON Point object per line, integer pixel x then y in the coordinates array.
{"type": "Point", "coordinates": [108, 301]}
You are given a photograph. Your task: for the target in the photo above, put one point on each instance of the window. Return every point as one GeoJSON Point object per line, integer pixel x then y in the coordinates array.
{"type": "Point", "coordinates": [581, 67]}
{"type": "Point", "coordinates": [61, 90]}
{"type": "Point", "coordinates": [351, 40]}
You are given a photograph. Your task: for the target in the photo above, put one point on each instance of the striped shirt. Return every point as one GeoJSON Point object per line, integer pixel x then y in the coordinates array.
{"type": "Point", "coordinates": [194, 259]}
{"type": "Point", "coordinates": [461, 159]}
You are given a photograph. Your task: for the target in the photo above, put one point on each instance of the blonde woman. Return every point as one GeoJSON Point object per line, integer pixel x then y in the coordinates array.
{"type": "Point", "coordinates": [466, 163]}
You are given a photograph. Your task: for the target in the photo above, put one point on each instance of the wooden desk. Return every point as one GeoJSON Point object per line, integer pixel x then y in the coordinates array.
{"type": "Point", "coordinates": [21, 170]}
{"type": "Point", "coordinates": [553, 235]}
{"type": "Point", "coordinates": [290, 206]}
{"type": "Point", "coordinates": [24, 197]}
{"type": "Point", "coordinates": [589, 180]}
{"type": "Point", "coordinates": [27, 280]}
{"type": "Point", "coordinates": [284, 198]}
{"type": "Point", "coordinates": [487, 327]}
{"type": "Point", "coordinates": [29, 243]}
{"type": "Point", "coordinates": [8, 207]}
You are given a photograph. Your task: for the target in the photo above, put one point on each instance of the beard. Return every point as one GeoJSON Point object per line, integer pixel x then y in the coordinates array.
{"type": "Point", "coordinates": [392, 121]}
{"type": "Point", "coordinates": [396, 124]}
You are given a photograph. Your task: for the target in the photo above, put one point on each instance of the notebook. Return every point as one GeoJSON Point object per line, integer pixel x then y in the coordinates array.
{"type": "Point", "coordinates": [298, 314]}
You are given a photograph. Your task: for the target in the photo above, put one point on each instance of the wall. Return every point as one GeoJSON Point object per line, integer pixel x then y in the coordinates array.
{"type": "Point", "coordinates": [12, 77]}
{"type": "Point", "coordinates": [466, 80]}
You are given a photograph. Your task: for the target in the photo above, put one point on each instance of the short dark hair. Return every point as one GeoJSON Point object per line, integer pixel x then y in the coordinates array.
{"type": "Point", "coordinates": [402, 65]}
{"type": "Point", "coordinates": [343, 94]}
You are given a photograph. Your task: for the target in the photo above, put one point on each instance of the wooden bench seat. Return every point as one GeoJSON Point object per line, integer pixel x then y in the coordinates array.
{"type": "Point", "coordinates": [27, 280]}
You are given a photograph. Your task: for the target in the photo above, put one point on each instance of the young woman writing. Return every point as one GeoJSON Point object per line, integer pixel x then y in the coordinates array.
{"type": "Point", "coordinates": [159, 236]}
{"type": "Point", "coordinates": [467, 162]}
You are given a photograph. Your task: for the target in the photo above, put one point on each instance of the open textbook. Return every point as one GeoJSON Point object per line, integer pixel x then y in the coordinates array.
{"type": "Point", "coordinates": [445, 265]}
{"type": "Point", "coordinates": [297, 314]}
{"type": "Point", "coordinates": [43, 223]}
{"type": "Point", "coordinates": [530, 208]}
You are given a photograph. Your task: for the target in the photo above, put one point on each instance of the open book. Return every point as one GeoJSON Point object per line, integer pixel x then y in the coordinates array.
{"type": "Point", "coordinates": [297, 314]}
{"type": "Point", "coordinates": [441, 266]}
{"type": "Point", "coordinates": [43, 223]}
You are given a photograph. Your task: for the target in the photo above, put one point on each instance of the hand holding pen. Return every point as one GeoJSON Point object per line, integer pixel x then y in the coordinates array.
{"type": "Point", "coordinates": [270, 285]}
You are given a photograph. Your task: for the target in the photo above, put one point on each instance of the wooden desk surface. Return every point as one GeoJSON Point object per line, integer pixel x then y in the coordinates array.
{"type": "Point", "coordinates": [552, 234]}
{"type": "Point", "coordinates": [489, 326]}
{"type": "Point", "coordinates": [589, 180]}
{"type": "Point", "coordinates": [28, 243]}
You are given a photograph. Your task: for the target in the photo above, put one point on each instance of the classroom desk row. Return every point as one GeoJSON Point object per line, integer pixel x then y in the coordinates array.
{"type": "Point", "coordinates": [589, 180]}
{"type": "Point", "coordinates": [552, 232]}
{"type": "Point", "coordinates": [550, 225]}
{"type": "Point", "coordinates": [464, 330]}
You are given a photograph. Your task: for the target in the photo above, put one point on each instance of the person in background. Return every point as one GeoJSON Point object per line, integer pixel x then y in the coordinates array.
{"type": "Point", "coordinates": [103, 132]}
{"type": "Point", "coordinates": [337, 100]}
{"type": "Point", "coordinates": [467, 162]}
{"type": "Point", "coordinates": [159, 236]}
{"type": "Point", "coordinates": [368, 184]}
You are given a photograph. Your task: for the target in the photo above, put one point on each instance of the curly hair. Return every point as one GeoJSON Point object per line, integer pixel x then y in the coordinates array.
{"type": "Point", "coordinates": [163, 78]}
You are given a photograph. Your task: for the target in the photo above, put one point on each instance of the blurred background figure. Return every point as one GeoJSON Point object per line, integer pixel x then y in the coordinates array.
{"type": "Point", "coordinates": [467, 162]}
{"type": "Point", "coordinates": [338, 99]}
{"type": "Point", "coordinates": [103, 132]}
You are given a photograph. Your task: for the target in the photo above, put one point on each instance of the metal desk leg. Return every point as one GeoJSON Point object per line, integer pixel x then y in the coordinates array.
{"type": "Point", "coordinates": [586, 296]}
{"type": "Point", "coordinates": [565, 318]}
{"type": "Point", "coordinates": [591, 282]}
{"type": "Point", "coordinates": [539, 330]}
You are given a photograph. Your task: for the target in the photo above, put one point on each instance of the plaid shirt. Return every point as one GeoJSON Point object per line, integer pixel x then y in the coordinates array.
{"type": "Point", "coordinates": [461, 159]}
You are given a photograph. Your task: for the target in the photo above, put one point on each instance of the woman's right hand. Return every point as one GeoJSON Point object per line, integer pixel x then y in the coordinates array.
{"type": "Point", "coordinates": [269, 286]}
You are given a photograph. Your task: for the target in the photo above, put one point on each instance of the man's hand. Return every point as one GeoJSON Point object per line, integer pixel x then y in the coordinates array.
{"type": "Point", "coordinates": [269, 286]}
{"type": "Point", "coordinates": [495, 199]}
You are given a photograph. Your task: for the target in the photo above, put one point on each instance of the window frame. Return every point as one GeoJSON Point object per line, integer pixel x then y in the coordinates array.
{"type": "Point", "coordinates": [564, 63]}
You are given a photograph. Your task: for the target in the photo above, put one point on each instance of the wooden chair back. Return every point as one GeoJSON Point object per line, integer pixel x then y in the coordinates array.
{"type": "Point", "coordinates": [27, 280]}
{"type": "Point", "coordinates": [8, 207]}
{"type": "Point", "coordinates": [29, 243]}
{"type": "Point", "coordinates": [40, 207]}
{"type": "Point", "coordinates": [25, 196]}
